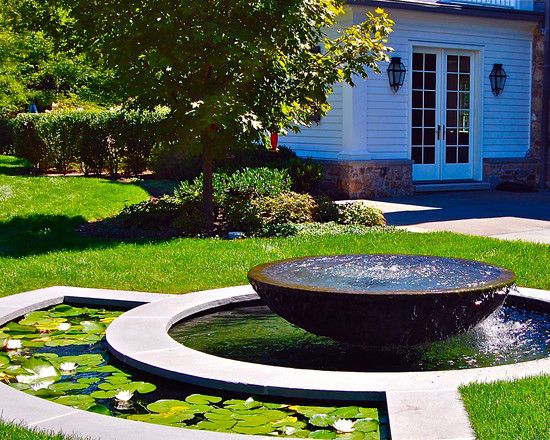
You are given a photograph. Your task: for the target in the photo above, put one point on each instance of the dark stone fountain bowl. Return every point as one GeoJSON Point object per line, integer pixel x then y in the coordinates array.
{"type": "Point", "coordinates": [377, 300]}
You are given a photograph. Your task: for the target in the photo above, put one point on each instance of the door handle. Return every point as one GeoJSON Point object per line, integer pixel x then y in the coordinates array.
{"type": "Point", "coordinates": [444, 130]}
{"type": "Point", "coordinates": [438, 132]}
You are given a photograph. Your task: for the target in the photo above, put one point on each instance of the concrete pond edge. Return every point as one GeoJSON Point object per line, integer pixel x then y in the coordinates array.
{"type": "Point", "coordinates": [421, 406]}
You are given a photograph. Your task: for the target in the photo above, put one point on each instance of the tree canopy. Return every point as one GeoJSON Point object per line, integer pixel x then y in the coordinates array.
{"type": "Point", "coordinates": [232, 68]}
{"type": "Point", "coordinates": [41, 61]}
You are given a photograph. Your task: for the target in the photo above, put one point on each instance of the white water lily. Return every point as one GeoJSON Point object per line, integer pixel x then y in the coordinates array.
{"type": "Point", "coordinates": [41, 385]}
{"type": "Point", "coordinates": [289, 430]}
{"type": "Point", "coordinates": [124, 396]}
{"type": "Point", "coordinates": [123, 400]}
{"type": "Point", "coordinates": [67, 367]}
{"type": "Point", "coordinates": [343, 425]}
{"type": "Point", "coordinates": [14, 344]}
{"type": "Point", "coordinates": [64, 326]}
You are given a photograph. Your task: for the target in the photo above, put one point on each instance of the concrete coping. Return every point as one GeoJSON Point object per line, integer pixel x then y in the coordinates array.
{"type": "Point", "coordinates": [437, 403]}
{"type": "Point", "coordinates": [36, 413]}
{"type": "Point", "coordinates": [140, 338]}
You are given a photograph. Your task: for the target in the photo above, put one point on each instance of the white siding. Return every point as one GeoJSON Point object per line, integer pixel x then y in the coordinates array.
{"type": "Point", "coordinates": [382, 131]}
{"type": "Point", "coordinates": [323, 140]}
{"type": "Point", "coordinates": [505, 120]}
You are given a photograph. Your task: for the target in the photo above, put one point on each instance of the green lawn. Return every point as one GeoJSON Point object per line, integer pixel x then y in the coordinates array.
{"type": "Point", "coordinates": [510, 410]}
{"type": "Point", "coordinates": [39, 248]}
{"type": "Point", "coordinates": [10, 431]}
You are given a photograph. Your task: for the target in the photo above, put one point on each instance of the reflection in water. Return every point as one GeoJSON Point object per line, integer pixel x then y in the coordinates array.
{"type": "Point", "coordinates": [255, 334]}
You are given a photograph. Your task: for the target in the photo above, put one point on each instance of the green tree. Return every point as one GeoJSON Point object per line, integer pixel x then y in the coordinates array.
{"type": "Point", "coordinates": [40, 58]}
{"type": "Point", "coordinates": [229, 70]}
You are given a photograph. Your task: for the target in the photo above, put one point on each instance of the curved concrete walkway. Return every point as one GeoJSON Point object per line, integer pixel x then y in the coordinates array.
{"type": "Point", "coordinates": [497, 214]}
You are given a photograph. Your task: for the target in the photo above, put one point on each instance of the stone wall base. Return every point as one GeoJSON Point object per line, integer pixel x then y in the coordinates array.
{"type": "Point", "coordinates": [367, 179]}
{"type": "Point", "coordinates": [515, 171]}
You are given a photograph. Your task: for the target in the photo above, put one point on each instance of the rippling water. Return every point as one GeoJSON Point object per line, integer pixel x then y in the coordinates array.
{"type": "Point", "coordinates": [383, 272]}
{"type": "Point", "coordinates": [255, 334]}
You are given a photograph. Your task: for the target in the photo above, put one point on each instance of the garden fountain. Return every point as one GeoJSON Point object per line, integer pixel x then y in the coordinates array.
{"type": "Point", "coordinates": [382, 300]}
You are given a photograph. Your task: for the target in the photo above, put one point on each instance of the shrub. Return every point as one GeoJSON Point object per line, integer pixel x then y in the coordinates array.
{"type": "Point", "coordinates": [288, 207]}
{"type": "Point", "coordinates": [27, 142]}
{"type": "Point", "coordinates": [95, 141]}
{"type": "Point", "coordinates": [327, 210]}
{"type": "Point", "coordinates": [233, 193]}
{"type": "Point", "coordinates": [359, 213]}
{"type": "Point", "coordinates": [6, 139]}
{"type": "Point", "coordinates": [153, 214]}
{"type": "Point", "coordinates": [305, 174]}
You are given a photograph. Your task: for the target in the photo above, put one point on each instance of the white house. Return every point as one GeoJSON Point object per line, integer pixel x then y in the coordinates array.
{"type": "Point", "coordinates": [446, 127]}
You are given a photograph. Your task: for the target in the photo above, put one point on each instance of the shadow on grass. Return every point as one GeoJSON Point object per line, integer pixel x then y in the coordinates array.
{"type": "Point", "coordinates": [155, 187]}
{"type": "Point", "coordinates": [39, 234]}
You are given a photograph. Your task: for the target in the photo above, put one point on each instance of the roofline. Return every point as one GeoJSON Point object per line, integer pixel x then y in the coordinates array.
{"type": "Point", "coordinates": [454, 9]}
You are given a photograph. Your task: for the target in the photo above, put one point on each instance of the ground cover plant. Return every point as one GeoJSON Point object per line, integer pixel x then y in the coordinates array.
{"type": "Point", "coordinates": [60, 354]}
{"type": "Point", "coordinates": [39, 248]}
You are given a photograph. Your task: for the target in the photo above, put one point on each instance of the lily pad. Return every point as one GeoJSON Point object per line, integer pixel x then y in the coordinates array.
{"type": "Point", "coordinates": [13, 328]}
{"type": "Point", "coordinates": [219, 414]}
{"type": "Point", "coordinates": [369, 413]}
{"type": "Point", "coordinates": [38, 371]}
{"type": "Point", "coordinates": [88, 380]}
{"type": "Point", "coordinates": [104, 394]}
{"type": "Point", "coordinates": [4, 360]}
{"type": "Point", "coordinates": [308, 411]}
{"type": "Point", "coordinates": [366, 425]}
{"type": "Point", "coordinates": [216, 425]}
{"type": "Point", "coordinates": [68, 386]}
{"type": "Point", "coordinates": [252, 430]}
{"type": "Point", "coordinates": [117, 380]}
{"type": "Point", "coordinates": [139, 387]}
{"type": "Point", "coordinates": [346, 412]}
{"type": "Point", "coordinates": [168, 405]}
{"type": "Point", "coordinates": [93, 327]}
{"type": "Point", "coordinates": [80, 401]}
{"type": "Point", "coordinates": [322, 434]}
{"type": "Point", "coordinates": [252, 420]}
{"type": "Point", "coordinates": [322, 420]}
{"type": "Point", "coordinates": [100, 409]}
{"type": "Point", "coordinates": [202, 399]}
{"type": "Point", "coordinates": [163, 419]}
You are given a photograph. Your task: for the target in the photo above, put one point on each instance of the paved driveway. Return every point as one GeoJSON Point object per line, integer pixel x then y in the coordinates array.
{"type": "Point", "coordinates": [504, 215]}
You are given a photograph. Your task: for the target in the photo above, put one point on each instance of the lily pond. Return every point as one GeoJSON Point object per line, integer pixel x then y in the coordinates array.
{"type": "Point", "coordinates": [60, 354]}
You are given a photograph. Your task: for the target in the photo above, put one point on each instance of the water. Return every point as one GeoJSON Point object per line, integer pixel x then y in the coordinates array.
{"type": "Point", "coordinates": [382, 273]}
{"type": "Point", "coordinates": [256, 334]}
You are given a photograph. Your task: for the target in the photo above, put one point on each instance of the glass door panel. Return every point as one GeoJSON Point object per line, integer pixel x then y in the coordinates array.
{"type": "Point", "coordinates": [441, 136]}
{"type": "Point", "coordinates": [424, 115]}
{"type": "Point", "coordinates": [457, 141]}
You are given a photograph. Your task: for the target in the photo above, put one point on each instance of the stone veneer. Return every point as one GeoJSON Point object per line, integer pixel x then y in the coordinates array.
{"type": "Point", "coordinates": [388, 178]}
{"type": "Point", "coordinates": [536, 99]}
{"type": "Point", "coordinates": [511, 170]}
{"type": "Point", "coordinates": [366, 179]}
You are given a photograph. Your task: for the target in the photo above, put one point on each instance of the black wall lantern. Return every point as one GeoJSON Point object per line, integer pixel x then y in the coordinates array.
{"type": "Point", "coordinates": [396, 73]}
{"type": "Point", "coordinates": [498, 79]}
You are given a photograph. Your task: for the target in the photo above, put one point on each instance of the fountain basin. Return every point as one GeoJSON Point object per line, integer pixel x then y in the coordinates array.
{"type": "Point", "coordinates": [376, 300]}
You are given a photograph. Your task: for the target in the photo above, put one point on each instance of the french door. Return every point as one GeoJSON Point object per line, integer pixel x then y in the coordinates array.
{"type": "Point", "coordinates": [441, 131]}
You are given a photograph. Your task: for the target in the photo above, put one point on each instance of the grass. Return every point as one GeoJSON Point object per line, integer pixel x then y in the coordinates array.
{"type": "Point", "coordinates": [510, 410]}
{"type": "Point", "coordinates": [39, 248]}
{"type": "Point", "coordinates": [9, 431]}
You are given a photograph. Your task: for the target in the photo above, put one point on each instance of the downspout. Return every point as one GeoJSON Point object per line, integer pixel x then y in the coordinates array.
{"type": "Point", "coordinates": [545, 98]}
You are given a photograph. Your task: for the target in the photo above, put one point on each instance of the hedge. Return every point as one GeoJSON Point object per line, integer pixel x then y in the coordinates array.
{"type": "Point", "coordinates": [90, 141]}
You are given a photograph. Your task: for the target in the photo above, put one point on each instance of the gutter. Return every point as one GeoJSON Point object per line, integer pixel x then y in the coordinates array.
{"type": "Point", "coordinates": [545, 113]}
{"type": "Point", "coordinates": [453, 9]}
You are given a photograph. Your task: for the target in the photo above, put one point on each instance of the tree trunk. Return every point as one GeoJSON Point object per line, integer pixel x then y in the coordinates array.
{"type": "Point", "coordinates": [207, 183]}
